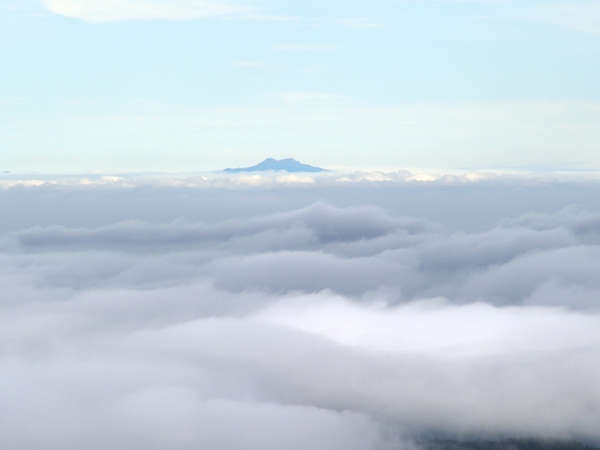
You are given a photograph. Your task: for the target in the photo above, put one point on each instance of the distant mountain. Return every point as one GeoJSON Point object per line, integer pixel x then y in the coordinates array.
{"type": "Point", "coordinates": [284, 165]}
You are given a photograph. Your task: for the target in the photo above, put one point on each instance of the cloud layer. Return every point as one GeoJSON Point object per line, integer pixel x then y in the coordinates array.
{"type": "Point", "coordinates": [323, 326]}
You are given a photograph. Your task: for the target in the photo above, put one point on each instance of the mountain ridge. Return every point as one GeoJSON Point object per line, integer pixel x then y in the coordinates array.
{"type": "Point", "coordinates": [277, 165]}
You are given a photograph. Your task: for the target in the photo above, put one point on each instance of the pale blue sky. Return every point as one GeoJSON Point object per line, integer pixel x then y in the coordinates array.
{"type": "Point", "coordinates": [133, 85]}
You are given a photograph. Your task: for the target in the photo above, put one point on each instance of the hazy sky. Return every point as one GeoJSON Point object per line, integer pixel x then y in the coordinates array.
{"type": "Point", "coordinates": [113, 85]}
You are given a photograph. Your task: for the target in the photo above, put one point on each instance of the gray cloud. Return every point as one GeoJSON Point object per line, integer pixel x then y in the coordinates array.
{"type": "Point", "coordinates": [319, 223]}
{"type": "Point", "coordinates": [295, 324]}
{"type": "Point", "coordinates": [352, 251]}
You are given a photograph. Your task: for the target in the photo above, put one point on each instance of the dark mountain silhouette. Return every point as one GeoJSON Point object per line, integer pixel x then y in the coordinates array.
{"type": "Point", "coordinates": [284, 165]}
{"type": "Point", "coordinates": [505, 444]}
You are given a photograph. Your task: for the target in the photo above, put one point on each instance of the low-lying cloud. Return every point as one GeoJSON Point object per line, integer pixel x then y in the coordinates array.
{"type": "Point", "coordinates": [324, 326]}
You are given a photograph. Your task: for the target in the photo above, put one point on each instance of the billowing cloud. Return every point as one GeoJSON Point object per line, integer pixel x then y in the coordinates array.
{"type": "Point", "coordinates": [353, 251]}
{"type": "Point", "coordinates": [265, 322]}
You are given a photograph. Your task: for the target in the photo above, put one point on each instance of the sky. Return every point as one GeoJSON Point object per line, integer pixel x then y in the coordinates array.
{"type": "Point", "coordinates": [193, 85]}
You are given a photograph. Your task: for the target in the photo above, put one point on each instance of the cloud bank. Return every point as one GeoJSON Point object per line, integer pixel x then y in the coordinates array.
{"type": "Point", "coordinates": [321, 326]}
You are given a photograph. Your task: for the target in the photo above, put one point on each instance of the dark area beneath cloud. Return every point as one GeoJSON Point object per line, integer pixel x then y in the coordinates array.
{"type": "Point", "coordinates": [471, 206]}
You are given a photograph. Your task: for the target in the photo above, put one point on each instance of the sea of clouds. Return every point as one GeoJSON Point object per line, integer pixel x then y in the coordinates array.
{"type": "Point", "coordinates": [354, 312]}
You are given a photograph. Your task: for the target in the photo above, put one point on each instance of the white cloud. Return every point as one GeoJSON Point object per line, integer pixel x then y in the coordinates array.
{"type": "Point", "coordinates": [114, 10]}
{"type": "Point", "coordinates": [443, 330]}
{"type": "Point", "coordinates": [334, 177]}
{"type": "Point", "coordinates": [583, 16]}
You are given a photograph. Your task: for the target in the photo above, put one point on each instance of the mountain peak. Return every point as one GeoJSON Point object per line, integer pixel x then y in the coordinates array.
{"type": "Point", "coordinates": [274, 165]}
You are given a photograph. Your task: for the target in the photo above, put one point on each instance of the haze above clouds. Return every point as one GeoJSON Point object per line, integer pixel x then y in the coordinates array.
{"type": "Point", "coordinates": [180, 85]}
